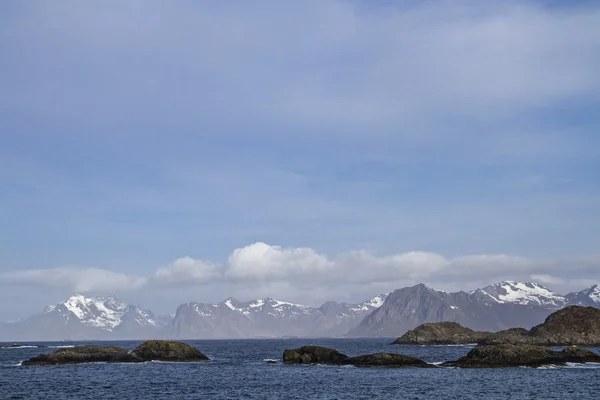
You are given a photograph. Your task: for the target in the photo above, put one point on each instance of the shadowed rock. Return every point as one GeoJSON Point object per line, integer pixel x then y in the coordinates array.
{"type": "Point", "coordinates": [313, 355]}
{"type": "Point", "coordinates": [439, 333]}
{"type": "Point", "coordinates": [389, 360]}
{"type": "Point", "coordinates": [323, 355]}
{"type": "Point", "coordinates": [513, 335]}
{"type": "Point", "coordinates": [82, 354]}
{"type": "Point", "coordinates": [153, 350]}
{"type": "Point", "coordinates": [511, 355]}
{"type": "Point", "coordinates": [574, 325]}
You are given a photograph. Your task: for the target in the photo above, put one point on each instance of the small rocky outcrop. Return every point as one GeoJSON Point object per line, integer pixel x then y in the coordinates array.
{"type": "Point", "coordinates": [388, 360]}
{"type": "Point", "coordinates": [82, 354]}
{"type": "Point", "coordinates": [521, 355]}
{"type": "Point", "coordinates": [313, 355]}
{"type": "Point", "coordinates": [153, 350]}
{"type": "Point", "coordinates": [323, 355]}
{"type": "Point", "coordinates": [161, 350]}
{"type": "Point", "coordinates": [440, 333]}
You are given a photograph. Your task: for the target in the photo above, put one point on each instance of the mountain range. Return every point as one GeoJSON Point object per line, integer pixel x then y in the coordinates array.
{"type": "Point", "coordinates": [504, 305]}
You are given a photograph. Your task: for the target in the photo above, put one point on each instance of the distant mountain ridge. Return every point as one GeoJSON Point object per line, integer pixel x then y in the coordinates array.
{"type": "Point", "coordinates": [269, 318]}
{"type": "Point", "coordinates": [495, 307]}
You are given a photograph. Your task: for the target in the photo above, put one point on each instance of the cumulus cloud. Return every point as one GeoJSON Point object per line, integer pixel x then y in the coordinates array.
{"type": "Point", "coordinates": [260, 261]}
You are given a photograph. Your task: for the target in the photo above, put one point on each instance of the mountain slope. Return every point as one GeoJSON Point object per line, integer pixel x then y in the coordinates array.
{"type": "Point", "coordinates": [588, 297]}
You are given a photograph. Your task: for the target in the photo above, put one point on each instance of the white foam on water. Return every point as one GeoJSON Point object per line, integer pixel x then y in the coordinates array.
{"type": "Point", "coordinates": [62, 347]}
{"type": "Point", "coordinates": [20, 347]}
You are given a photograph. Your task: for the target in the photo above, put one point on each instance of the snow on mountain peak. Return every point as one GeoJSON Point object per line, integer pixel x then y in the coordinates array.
{"type": "Point", "coordinates": [376, 301]}
{"type": "Point", "coordinates": [524, 293]}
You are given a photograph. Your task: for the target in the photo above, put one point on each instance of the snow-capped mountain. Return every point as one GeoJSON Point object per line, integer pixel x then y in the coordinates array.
{"type": "Point", "coordinates": [268, 318]}
{"type": "Point", "coordinates": [504, 305]}
{"type": "Point", "coordinates": [106, 313]}
{"type": "Point", "coordinates": [81, 317]}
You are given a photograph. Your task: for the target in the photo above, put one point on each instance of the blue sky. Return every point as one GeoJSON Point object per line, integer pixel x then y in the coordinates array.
{"type": "Point", "coordinates": [135, 134]}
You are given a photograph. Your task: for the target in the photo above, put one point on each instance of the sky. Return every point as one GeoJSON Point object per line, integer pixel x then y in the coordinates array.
{"type": "Point", "coordinates": [167, 152]}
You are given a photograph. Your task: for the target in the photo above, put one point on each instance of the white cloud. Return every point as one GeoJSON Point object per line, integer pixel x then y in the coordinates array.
{"type": "Point", "coordinates": [260, 261]}
{"type": "Point", "coordinates": [186, 271]}
{"type": "Point", "coordinates": [305, 275]}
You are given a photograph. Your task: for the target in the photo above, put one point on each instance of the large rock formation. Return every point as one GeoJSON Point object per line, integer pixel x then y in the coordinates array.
{"type": "Point", "coordinates": [511, 355]}
{"type": "Point", "coordinates": [438, 333]}
{"type": "Point", "coordinates": [572, 325]}
{"type": "Point", "coordinates": [153, 350]}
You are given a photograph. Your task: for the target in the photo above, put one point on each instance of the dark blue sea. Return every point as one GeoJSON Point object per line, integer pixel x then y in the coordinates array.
{"type": "Point", "coordinates": [238, 370]}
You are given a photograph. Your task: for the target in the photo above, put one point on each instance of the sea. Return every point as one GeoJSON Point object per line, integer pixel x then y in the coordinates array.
{"type": "Point", "coordinates": [239, 370]}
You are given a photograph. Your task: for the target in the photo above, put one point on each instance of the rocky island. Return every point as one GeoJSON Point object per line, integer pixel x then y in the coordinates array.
{"type": "Point", "coordinates": [153, 350]}
{"type": "Point", "coordinates": [440, 333]}
{"type": "Point", "coordinates": [571, 326]}
{"type": "Point", "coordinates": [324, 355]}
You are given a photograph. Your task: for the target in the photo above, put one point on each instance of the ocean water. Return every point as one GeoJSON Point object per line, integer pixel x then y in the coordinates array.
{"type": "Point", "coordinates": [238, 370]}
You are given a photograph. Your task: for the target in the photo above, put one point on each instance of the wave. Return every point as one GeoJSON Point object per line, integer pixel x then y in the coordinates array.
{"type": "Point", "coordinates": [20, 347]}
{"type": "Point", "coordinates": [61, 347]}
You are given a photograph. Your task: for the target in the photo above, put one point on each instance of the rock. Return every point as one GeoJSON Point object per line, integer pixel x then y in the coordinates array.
{"type": "Point", "coordinates": [152, 350]}
{"type": "Point", "coordinates": [323, 355]}
{"type": "Point", "coordinates": [513, 335]}
{"type": "Point", "coordinates": [571, 326]}
{"type": "Point", "coordinates": [161, 350]}
{"type": "Point", "coordinates": [313, 355]}
{"type": "Point", "coordinates": [82, 354]}
{"type": "Point", "coordinates": [390, 360]}
{"type": "Point", "coordinates": [441, 333]}
{"type": "Point", "coordinates": [511, 355]}
{"type": "Point", "coordinates": [271, 362]}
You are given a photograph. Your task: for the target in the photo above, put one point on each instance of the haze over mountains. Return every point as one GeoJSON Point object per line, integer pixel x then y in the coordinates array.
{"type": "Point", "coordinates": [495, 307]}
